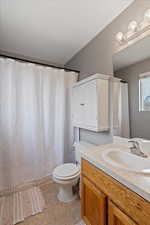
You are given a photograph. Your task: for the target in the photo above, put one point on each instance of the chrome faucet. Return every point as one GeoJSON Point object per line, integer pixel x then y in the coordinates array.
{"type": "Point", "coordinates": [136, 149]}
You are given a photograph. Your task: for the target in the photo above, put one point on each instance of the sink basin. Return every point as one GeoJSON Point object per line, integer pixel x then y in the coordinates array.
{"type": "Point", "coordinates": [127, 161]}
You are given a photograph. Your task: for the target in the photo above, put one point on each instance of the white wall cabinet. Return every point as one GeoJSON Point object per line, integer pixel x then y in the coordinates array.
{"type": "Point", "coordinates": [91, 103]}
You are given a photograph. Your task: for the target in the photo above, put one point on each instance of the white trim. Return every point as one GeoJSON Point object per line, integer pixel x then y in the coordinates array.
{"type": "Point", "coordinates": [141, 77]}
{"type": "Point", "coordinates": [138, 36]}
{"type": "Point", "coordinates": [144, 75]}
{"type": "Point", "coordinates": [92, 77]}
{"type": "Point", "coordinates": [92, 128]}
{"type": "Point", "coordinates": [76, 134]}
{"type": "Point", "coordinates": [140, 102]}
{"type": "Point", "coordinates": [115, 79]}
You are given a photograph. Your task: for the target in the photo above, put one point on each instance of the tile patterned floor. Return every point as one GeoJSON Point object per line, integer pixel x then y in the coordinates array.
{"type": "Point", "coordinates": [56, 213]}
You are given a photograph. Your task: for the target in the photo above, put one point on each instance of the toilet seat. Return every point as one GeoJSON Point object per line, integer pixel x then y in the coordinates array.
{"type": "Point", "coordinates": [66, 171]}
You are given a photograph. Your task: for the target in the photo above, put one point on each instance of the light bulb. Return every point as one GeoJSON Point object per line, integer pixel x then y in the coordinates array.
{"type": "Point", "coordinates": [120, 37]}
{"type": "Point", "coordinates": [147, 15]}
{"type": "Point", "coordinates": [133, 26]}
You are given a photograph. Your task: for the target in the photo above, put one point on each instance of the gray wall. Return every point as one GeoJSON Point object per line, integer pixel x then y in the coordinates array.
{"type": "Point", "coordinates": [139, 121]}
{"type": "Point", "coordinates": [97, 56]}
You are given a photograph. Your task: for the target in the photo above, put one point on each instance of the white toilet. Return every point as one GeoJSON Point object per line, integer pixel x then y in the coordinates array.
{"type": "Point", "coordinates": [68, 174]}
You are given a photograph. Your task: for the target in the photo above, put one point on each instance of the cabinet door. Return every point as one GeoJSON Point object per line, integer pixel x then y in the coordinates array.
{"type": "Point", "coordinates": [90, 100]}
{"type": "Point", "coordinates": [85, 106]}
{"type": "Point", "coordinates": [93, 204]}
{"type": "Point", "coordinates": [117, 217]}
{"type": "Point", "coordinates": [77, 106]}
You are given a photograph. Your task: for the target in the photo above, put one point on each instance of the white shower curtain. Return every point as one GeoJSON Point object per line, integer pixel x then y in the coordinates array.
{"type": "Point", "coordinates": [125, 123]}
{"type": "Point", "coordinates": [121, 110]}
{"type": "Point", "coordinates": [36, 132]}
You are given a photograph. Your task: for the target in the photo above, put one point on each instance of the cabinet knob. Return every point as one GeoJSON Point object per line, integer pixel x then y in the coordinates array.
{"type": "Point", "coordinates": [82, 104]}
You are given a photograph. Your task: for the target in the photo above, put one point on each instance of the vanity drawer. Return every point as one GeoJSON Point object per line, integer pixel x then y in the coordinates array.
{"type": "Point", "coordinates": [128, 201]}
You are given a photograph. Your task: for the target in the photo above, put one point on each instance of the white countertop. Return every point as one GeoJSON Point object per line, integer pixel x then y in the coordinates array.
{"type": "Point", "coordinates": [138, 183]}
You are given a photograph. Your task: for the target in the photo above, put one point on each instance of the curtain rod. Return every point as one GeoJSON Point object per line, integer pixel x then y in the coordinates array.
{"type": "Point", "coordinates": [123, 81]}
{"type": "Point", "coordinates": [38, 63]}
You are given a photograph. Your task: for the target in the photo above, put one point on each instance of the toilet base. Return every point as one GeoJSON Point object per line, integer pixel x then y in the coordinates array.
{"type": "Point", "coordinates": [65, 193]}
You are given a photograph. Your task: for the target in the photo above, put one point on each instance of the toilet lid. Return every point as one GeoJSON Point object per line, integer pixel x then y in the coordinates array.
{"type": "Point", "coordinates": [66, 170]}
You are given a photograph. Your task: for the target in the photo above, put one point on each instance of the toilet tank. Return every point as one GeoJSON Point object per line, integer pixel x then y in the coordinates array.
{"type": "Point", "coordinates": [78, 146]}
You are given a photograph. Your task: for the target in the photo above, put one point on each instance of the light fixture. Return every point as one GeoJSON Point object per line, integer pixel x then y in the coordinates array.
{"type": "Point", "coordinates": [146, 21]}
{"type": "Point", "coordinates": [120, 37]}
{"type": "Point", "coordinates": [133, 26]}
{"type": "Point", "coordinates": [135, 29]}
{"type": "Point", "coordinates": [147, 15]}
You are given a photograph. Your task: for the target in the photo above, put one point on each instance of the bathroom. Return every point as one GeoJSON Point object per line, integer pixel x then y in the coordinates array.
{"type": "Point", "coordinates": [74, 112]}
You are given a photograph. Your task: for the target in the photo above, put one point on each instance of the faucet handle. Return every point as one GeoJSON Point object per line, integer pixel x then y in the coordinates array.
{"type": "Point", "coordinates": [136, 149]}
{"type": "Point", "coordinates": [131, 141]}
{"type": "Point", "coordinates": [135, 143]}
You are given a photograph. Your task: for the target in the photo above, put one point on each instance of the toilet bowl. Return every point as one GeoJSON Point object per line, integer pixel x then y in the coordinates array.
{"type": "Point", "coordinates": [67, 175]}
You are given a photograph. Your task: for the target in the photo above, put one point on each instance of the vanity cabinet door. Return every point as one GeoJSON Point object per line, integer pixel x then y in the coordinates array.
{"type": "Point", "coordinates": [117, 217]}
{"type": "Point", "coordinates": [93, 203]}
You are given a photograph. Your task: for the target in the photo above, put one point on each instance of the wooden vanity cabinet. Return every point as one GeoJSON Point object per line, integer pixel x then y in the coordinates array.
{"type": "Point", "coordinates": [93, 204]}
{"type": "Point", "coordinates": [117, 217]}
{"type": "Point", "coordinates": [105, 201]}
